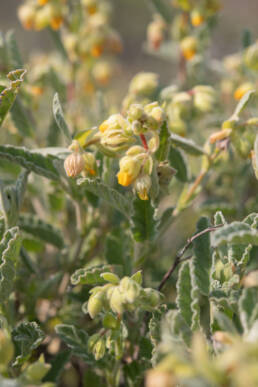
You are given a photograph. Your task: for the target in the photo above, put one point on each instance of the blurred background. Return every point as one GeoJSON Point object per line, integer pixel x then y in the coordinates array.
{"type": "Point", "coordinates": [236, 15]}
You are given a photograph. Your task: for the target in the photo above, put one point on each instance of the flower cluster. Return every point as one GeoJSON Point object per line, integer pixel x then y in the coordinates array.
{"type": "Point", "coordinates": [122, 295]}
{"type": "Point", "coordinates": [39, 14]}
{"type": "Point", "coordinates": [117, 134]}
{"type": "Point", "coordinates": [185, 27]}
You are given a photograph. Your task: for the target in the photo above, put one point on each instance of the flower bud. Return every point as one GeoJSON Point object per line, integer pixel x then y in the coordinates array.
{"type": "Point", "coordinates": [137, 128]}
{"type": "Point", "coordinates": [189, 47]}
{"type": "Point", "coordinates": [43, 2]}
{"type": "Point", "coordinates": [165, 173]}
{"type": "Point", "coordinates": [158, 114]}
{"type": "Point", "coordinates": [242, 89]}
{"type": "Point", "coordinates": [36, 371]}
{"type": "Point", "coordinates": [204, 98]}
{"type": "Point", "coordinates": [90, 166]}
{"type": "Point", "coordinates": [155, 33]}
{"type": "Point", "coordinates": [153, 143]}
{"type": "Point", "coordinates": [142, 186]}
{"type": "Point", "coordinates": [99, 348]}
{"type": "Point", "coordinates": [144, 84]}
{"type": "Point", "coordinates": [182, 104]}
{"type": "Point", "coordinates": [130, 289]}
{"type": "Point", "coordinates": [129, 170]}
{"type": "Point", "coordinates": [74, 164]}
{"type": "Point", "coordinates": [26, 14]}
{"type": "Point", "coordinates": [197, 18]}
{"type": "Point", "coordinates": [152, 297]}
{"type": "Point", "coordinates": [110, 321]}
{"type": "Point", "coordinates": [223, 337]}
{"type": "Point", "coordinates": [116, 301]}
{"type": "Point", "coordinates": [6, 348]}
{"type": "Point", "coordinates": [115, 121]}
{"type": "Point", "coordinates": [251, 57]}
{"type": "Point", "coordinates": [136, 112]}
{"type": "Point", "coordinates": [42, 18]}
{"type": "Point", "coordinates": [102, 72]}
{"type": "Point", "coordinates": [92, 341]}
{"type": "Point", "coordinates": [116, 140]}
{"type": "Point", "coordinates": [95, 304]}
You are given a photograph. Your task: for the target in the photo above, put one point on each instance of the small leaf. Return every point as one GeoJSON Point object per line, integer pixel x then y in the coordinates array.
{"type": "Point", "coordinates": [144, 224]}
{"type": "Point", "coordinates": [41, 230]}
{"type": "Point", "coordinates": [106, 193]}
{"type": "Point", "coordinates": [30, 160]}
{"type": "Point", "coordinates": [235, 233]}
{"type": "Point", "coordinates": [27, 336]}
{"type": "Point", "coordinates": [8, 94]}
{"type": "Point", "coordinates": [9, 252]}
{"type": "Point", "coordinates": [202, 260]}
{"type": "Point", "coordinates": [219, 218]}
{"type": "Point", "coordinates": [242, 104]}
{"type": "Point", "coordinates": [59, 117]}
{"type": "Point", "coordinates": [178, 161]}
{"type": "Point", "coordinates": [248, 308]}
{"type": "Point", "coordinates": [92, 275]}
{"type": "Point", "coordinates": [14, 56]}
{"type": "Point", "coordinates": [188, 145]}
{"type": "Point", "coordinates": [162, 152]}
{"type": "Point", "coordinates": [76, 339]}
{"type": "Point", "coordinates": [21, 119]}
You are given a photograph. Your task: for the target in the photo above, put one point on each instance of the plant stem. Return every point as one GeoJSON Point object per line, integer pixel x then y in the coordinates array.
{"type": "Point", "coordinates": [181, 252]}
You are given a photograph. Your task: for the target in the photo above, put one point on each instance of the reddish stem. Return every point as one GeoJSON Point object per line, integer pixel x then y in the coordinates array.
{"type": "Point", "coordinates": [144, 142]}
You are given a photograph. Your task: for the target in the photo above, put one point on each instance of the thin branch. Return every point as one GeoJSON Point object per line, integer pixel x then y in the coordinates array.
{"type": "Point", "coordinates": [181, 252]}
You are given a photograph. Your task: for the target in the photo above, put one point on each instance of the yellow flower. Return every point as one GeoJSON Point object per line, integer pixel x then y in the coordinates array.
{"type": "Point", "coordinates": [242, 89]}
{"type": "Point", "coordinates": [43, 2]}
{"type": "Point", "coordinates": [189, 47]}
{"type": "Point", "coordinates": [124, 178]}
{"type": "Point", "coordinates": [197, 18]}
{"type": "Point", "coordinates": [56, 22]}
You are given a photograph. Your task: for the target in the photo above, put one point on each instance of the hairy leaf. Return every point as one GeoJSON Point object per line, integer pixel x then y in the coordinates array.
{"type": "Point", "coordinates": [14, 55]}
{"type": "Point", "coordinates": [30, 160]}
{"type": "Point", "coordinates": [202, 260]}
{"type": "Point", "coordinates": [76, 339]}
{"type": "Point", "coordinates": [42, 230]}
{"type": "Point", "coordinates": [178, 161]}
{"type": "Point", "coordinates": [242, 104]}
{"type": "Point", "coordinates": [59, 117]}
{"type": "Point", "coordinates": [21, 119]}
{"type": "Point", "coordinates": [162, 152]}
{"type": "Point", "coordinates": [9, 252]}
{"type": "Point", "coordinates": [144, 224]}
{"type": "Point", "coordinates": [106, 193]}
{"type": "Point", "coordinates": [27, 336]}
{"type": "Point", "coordinates": [248, 307]}
{"type": "Point", "coordinates": [188, 145]}
{"type": "Point", "coordinates": [235, 233]}
{"type": "Point", "coordinates": [91, 276]}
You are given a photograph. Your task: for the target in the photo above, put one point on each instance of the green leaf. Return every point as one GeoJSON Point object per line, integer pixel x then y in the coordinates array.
{"type": "Point", "coordinates": [187, 296]}
{"type": "Point", "coordinates": [235, 233]}
{"type": "Point", "coordinates": [91, 276]}
{"type": "Point", "coordinates": [118, 248]}
{"type": "Point", "coordinates": [144, 224]}
{"type": "Point", "coordinates": [8, 94]}
{"type": "Point", "coordinates": [41, 230]}
{"type": "Point", "coordinates": [76, 339]}
{"type": "Point", "coordinates": [188, 145]}
{"type": "Point", "coordinates": [57, 366]}
{"type": "Point", "coordinates": [162, 152]}
{"type": "Point", "coordinates": [255, 157]}
{"type": "Point", "coordinates": [106, 193]}
{"type": "Point", "coordinates": [160, 7]}
{"type": "Point", "coordinates": [14, 56]}
{"type": "Point", "coordinates": [59, 117]}
{"type": "Point", "coordinates": [20, 187]}
{"type": "Point", "coordinates": [178, 161]}
{"type": "Point", "coordinates": [27, 336]}
{"type": "Point", "coordinates": [202, 260]}
{"type": "Point", "coordinates": [9, 252]}
{"type": "Point", "coordinates": [248, 308]}
{"type": "Point", "coordinates": [219, 218]}
{"type": "Point", "coordinates": [242, 104]}
{"type": "Point", "coordinates": [21, 119]}
{"type": "Point", "coordinates": [30, 160]}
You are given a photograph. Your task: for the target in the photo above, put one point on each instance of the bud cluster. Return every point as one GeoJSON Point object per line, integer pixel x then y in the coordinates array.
{"type": "Point", "coordinates": [185, 27]}
{"type": "Point", "coordinates": [120, 295]}
{"type": "Point", "coordinates": [80, 162]}
{"type": "Point", "coordinates": [39, 14]}
{"type": "Point", "coordinates": [118, 133]}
